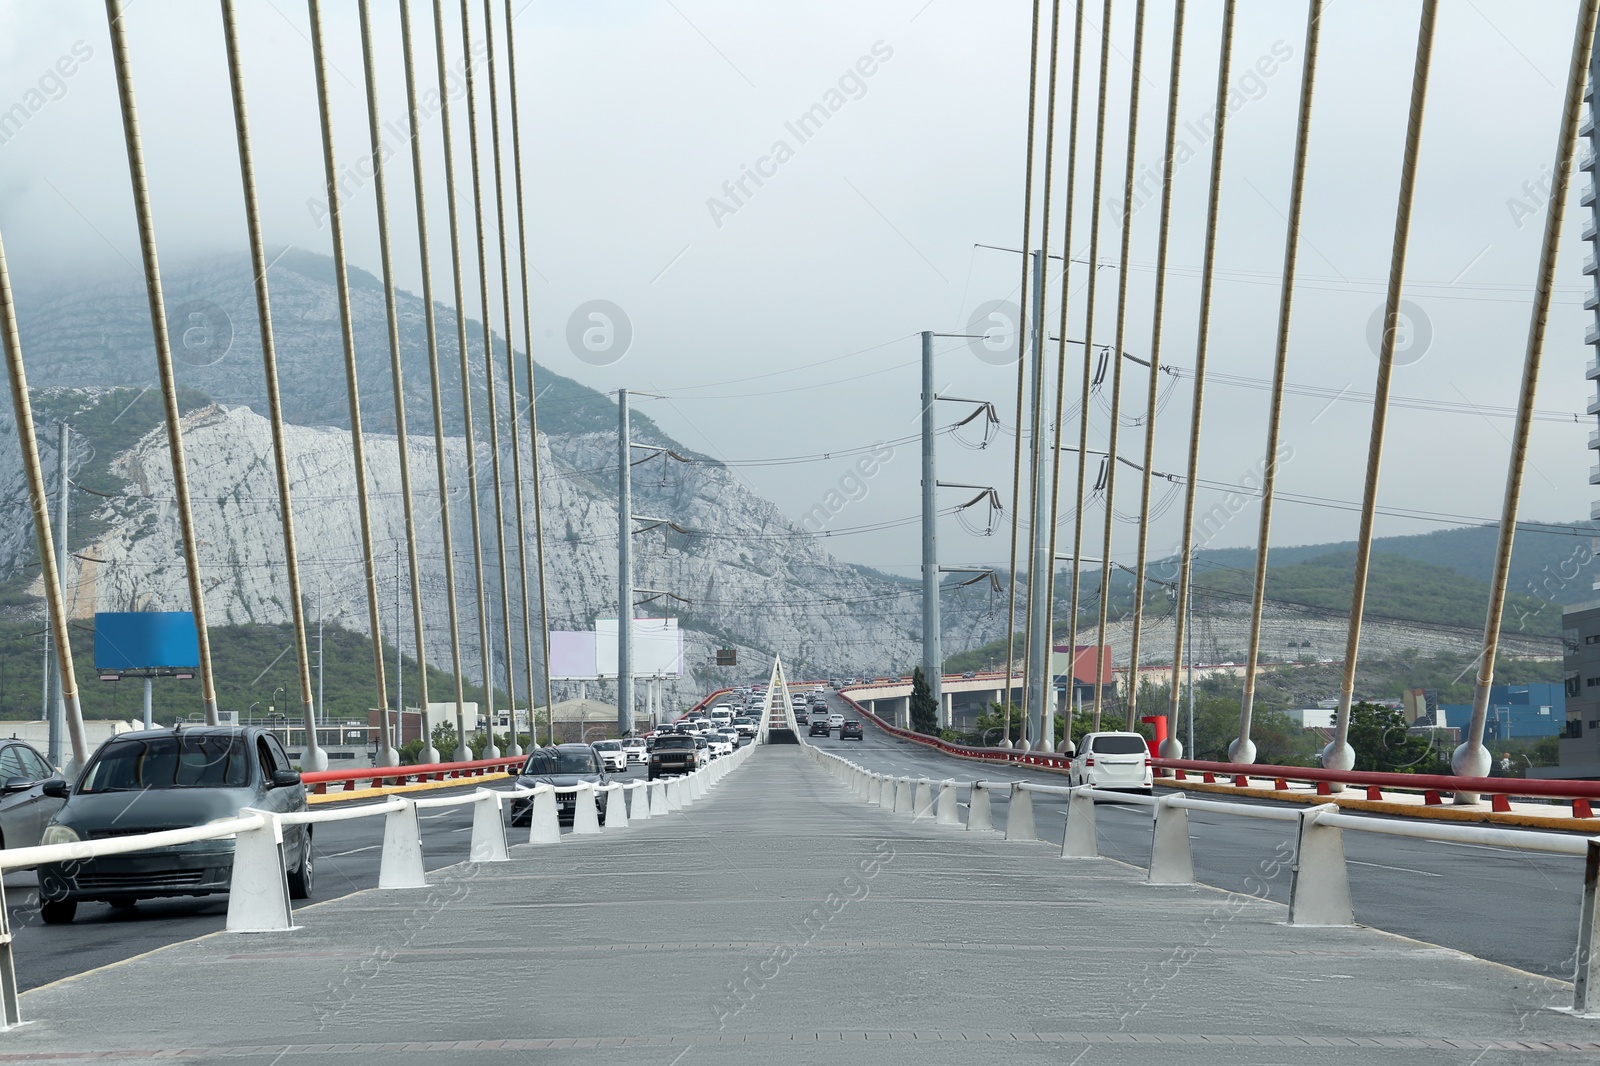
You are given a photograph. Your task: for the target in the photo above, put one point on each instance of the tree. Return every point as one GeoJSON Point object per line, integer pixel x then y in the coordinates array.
{"type": "Point", "coordinates": [924, 708]}
{"type": "Point", "coordinates": [1381, 742]}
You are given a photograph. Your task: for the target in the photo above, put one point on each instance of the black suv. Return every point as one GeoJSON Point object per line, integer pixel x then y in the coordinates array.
{"type": "Point", "coordinates": [157, 779]}
{"type": "Point", "coordinates": [850, 731]}
{"type": "Point", "coordinates": [562, 764]}
{"type": "Point", "coordinates": [674, 754]}
{"type": "Point", "coordinates": [819, 728]}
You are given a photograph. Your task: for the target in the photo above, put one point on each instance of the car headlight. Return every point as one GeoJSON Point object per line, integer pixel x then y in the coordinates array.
{"type": "Point", "coordinates": [60, 834]}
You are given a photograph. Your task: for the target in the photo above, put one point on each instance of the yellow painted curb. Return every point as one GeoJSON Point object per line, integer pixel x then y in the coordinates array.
{"type": "Point", "coordinates": [1405, 810]}
{"type": "Point", "coordinates": [389, 790]}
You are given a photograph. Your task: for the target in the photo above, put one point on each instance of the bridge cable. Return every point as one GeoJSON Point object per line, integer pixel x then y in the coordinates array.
{"type": "Point", "coordinates": [461, 341]}
{"type": "Point", "coordinates": [491, 750]}
{"type": "Point", "coordinates": [1152, 404]}
{"type": "Point", "coordinates": [1114, 429]}
{"type": "Point", "coordinates": [1470, 758]}
{"type": "Point", "coordinates": [397, 380]}
{"type": "Point", "coordinates": [1022, 365]}
{"type": "Point", "coordinates": [1338, 755]}
{"type": "Point", "coordinates": [269, 361]}
{"type": "Point", "coordinates": [347, 335]}
{"type": "Point", "coordinates": [1243, 750]}
{"type": "Point", "coordinates": [163, 346]}
{"type": "Point", "coordinates": [1090, 375]}
{"type": "Point", "coordinates": [1208, 263]}
{"type": "Point", "coordinates": [533, 421]}
{"type": "Point", "coordinates": [452, 606]}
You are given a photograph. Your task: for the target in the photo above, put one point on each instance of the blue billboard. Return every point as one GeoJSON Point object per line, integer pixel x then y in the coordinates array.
{"type": "Point", "coordinates": [145, 640]}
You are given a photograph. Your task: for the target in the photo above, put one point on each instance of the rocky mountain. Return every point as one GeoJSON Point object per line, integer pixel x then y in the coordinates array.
{"type": "Point", "coordinates": [752, 579]}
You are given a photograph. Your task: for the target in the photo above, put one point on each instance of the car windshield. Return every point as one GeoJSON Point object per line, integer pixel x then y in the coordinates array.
{"type": "Point", "coordinates": [559, 762]}
{"type": "Point", "coordinates": [608, 745]}
{"type": "Point", "coordinates": [677, 741]}
{"type": "Point", "coordinates": [1120, 744]}
{"type": "Point", "coordinates": [196, 761]}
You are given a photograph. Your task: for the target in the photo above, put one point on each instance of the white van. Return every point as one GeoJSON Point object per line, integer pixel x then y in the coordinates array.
{"type": "Point", "coordinates": [1112, 760]}
{"type": "Point", "coordinates": [721, 716]}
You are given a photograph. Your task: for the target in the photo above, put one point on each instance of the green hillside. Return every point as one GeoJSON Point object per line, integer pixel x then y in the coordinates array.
{"type": "Point", "coordinates": [251, 664]}
{"type": "Point", "coordinates": [1397, 587]}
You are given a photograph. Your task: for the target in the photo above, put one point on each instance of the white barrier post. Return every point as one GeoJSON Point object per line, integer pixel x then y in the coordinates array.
{"type": "Point", "coordinates": [657, 792]}
{"type": "Point", "coordinates": [1171, 857]}
{"type": "Point", "coordinates": [947, 813]}
{"type": "Point", "coordinates": [488, 829]}
{"type": "Point", "coordinates": [258, 894]}
{"type": "Point", "coordinates": [875, 790]}
{"type": "Point", "coordinates": [544, 823]}
{"type": "Point", "coordinates": [924, 801]}
{"type": "Point", "coordinates": [1081, 841]}
{"type": "Point", "coordinates": [617, 806]}
{"type": "Point", "coordinates": [585, 818]}
{"type": "Point", "coordinates": [1019, 818]}
{"type": "Point", "coordinates": [402, 849]}
{"type": "Point", "coordinates": [674, 793]}
{"type": "Point", "coordinates": [978, 813]}
{"type": "Point", "coordinates": [1588, 916]}
{"type": "Point", "coordinates": [641, 801]}
{"type": "Point", "coordinates": [902, 795]}
{"type": "Point", "coordinates": [1319, 893]}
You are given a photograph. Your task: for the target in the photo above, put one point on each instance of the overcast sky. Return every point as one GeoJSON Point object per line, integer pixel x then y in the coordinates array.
{"type": "Point", "coordinates": [781, 317]}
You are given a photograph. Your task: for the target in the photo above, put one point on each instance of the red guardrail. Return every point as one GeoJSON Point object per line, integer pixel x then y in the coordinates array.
{"type": "Point", "coordinates": [379, 776]}
{"type": "Point", "coordinates": [1582, 794]}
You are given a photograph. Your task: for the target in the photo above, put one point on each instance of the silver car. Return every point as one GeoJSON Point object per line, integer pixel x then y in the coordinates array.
{"type": "Point", "coordinates": [24, 808]}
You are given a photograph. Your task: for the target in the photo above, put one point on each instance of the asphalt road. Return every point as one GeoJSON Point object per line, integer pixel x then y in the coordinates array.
{"type": "Point", "coordinates": [1513, 907]}
{"type": "Point", "coordinates": [347, 859]}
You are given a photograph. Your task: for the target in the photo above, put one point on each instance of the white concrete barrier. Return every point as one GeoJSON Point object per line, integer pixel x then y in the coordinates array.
{"type": "Point", "coordinates": [585, 815]}
{"type": "Point", "coordinates": [616, 805]}
{"type": "Point", "coordinates": [1319, 890]}
{"type": "Point", "coordinates": [544, 821]}
{"type": "Point", "coordinates": [639, 807]}
{"type": "Point", "coordinates": [923, 806]}
{"type": "Point", "coordinates": [488, 828]}
{"type": "Point", "coordinates": [259, 903]}
{"type": "Point", "coordinates": [902, 796]}
{"type": "Point", "coordinates": [1171, 858]}
{"type": "Point", "coordinates": [1080, 841]}
{"type": "Point", "coordinates": [979, 814]}
{"type": "Point", "coordinates": [402, 849]}
{"type": "Point", "coordinates": [1019, 815]}
{"type": "Point", "coordinates": [948, 811]}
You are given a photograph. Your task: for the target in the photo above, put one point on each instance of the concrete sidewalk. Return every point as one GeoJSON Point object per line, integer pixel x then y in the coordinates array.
{"type": "Point", "coordinates": [780, 920]}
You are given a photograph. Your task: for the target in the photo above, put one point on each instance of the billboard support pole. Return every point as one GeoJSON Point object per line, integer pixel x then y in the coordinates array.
{"type": "Point", "coordinates": [149, 703]}
{"type": "Point", "coordinates": [624, 570]}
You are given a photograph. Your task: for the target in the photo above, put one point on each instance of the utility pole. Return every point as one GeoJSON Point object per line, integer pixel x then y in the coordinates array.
{"type": "Point", "coordinates": [399, 655]}
{"type": "Point", "coordinates": [1039, 637]}
{"type": "Point", "coordinates": [624, 569]}
{"type": "Point", "coordinates": [58, 706]}
{"type": "Point", "coordinates": [932, 640]}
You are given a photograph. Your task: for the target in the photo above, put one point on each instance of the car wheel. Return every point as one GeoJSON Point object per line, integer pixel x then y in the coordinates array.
{"type": "Point", "coordinates": [303, 881]}
{"type": "Point", "coordinates": [57, 911]}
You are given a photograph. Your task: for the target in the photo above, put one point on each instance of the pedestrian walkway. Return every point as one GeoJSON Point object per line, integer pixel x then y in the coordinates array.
{"type": "Point", "coordinates": [780, 920]}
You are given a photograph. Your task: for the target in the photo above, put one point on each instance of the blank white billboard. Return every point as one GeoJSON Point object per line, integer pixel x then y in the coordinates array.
{"type": "Point", "coordinates": [572, 656]}
{"type": "Point", "coordinates": [657, 647]}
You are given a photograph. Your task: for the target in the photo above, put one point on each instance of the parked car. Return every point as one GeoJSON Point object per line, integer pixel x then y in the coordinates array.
{"type": "Point", "coordinates": [157, 779]}
{"type": "Point", "coordinates": [850, 731]}
{"type": "Point", "coordinates": [675, 754]}
{"type": "Point", "coordinates": [25, 809]}
{"type": "Point", "coordinates": [819, 728]}
{"type": "Point", "coordinates": [636, 749]}
{"type": "Point", "coordinates": [613, 755]}
{"type": "Point", "coordinates": [1112, 760]}
{"type": "Point", "coordinates": [560, 764]}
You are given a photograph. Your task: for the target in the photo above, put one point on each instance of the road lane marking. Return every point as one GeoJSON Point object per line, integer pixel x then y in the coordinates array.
{"type": "Point", "coordinates": [357, 851]}
{"type": "Point", "coordinates": [1397, 869]}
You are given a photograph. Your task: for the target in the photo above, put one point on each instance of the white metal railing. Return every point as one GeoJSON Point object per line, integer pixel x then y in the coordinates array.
{"type": "Point", "coordinates": [258, 891]}
{"type": "Point", "coordinates": [1319, 889]}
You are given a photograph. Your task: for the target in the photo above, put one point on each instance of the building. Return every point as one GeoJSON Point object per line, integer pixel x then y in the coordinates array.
{"type": "Point", "coordinates": [1516, 712]}
{"type": "Point", "coordinates": [581, 720]}
{"type": "Point", "coordinates": [1580, 739]}
{"type": "Point", "coordinates": [1086, 672]}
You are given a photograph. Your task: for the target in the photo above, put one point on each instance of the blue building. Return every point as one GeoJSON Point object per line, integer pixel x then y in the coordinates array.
{"type": "Point", "coordinates": [1515, 712]}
